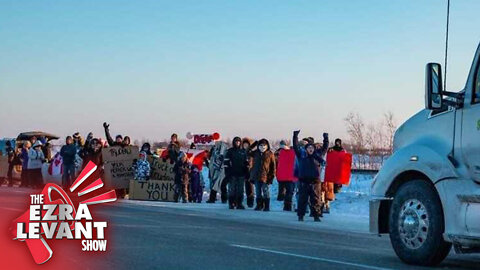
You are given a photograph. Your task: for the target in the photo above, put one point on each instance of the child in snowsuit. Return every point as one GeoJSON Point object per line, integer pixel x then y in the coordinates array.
{"type": "Point", "coordinates": [310, 187]}
{"type": "Point", "coordinates": [142, 168]}
{"type": "Point", "coordinates": [182, 171]}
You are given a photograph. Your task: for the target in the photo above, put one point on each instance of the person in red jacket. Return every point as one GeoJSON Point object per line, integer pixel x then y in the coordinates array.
{"type": "Point", "coordinates": [286, 180]}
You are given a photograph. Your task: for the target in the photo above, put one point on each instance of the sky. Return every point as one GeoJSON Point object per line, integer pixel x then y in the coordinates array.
{"type": "Point", "coordinates": [248, 68]}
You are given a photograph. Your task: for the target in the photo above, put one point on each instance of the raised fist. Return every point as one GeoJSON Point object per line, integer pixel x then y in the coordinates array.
{"type": "Point", "coordinates": [105, 125]}
{"type": "Point", "coordinates": [325, 135]}
{"type": "Point", "coordinates": [296, 132]}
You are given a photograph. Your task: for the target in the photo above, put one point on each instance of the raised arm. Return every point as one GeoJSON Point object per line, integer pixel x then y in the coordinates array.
{"type": "Point", "coordinates": [107, 134]}
{"type": "Point", "coordinates": [295, 143]}
{"type": "Point", "coordinates": [322, 151]}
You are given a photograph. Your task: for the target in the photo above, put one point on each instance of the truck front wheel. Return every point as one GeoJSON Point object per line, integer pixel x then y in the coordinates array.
{"type": "Point", "coordinates": [416, 225]}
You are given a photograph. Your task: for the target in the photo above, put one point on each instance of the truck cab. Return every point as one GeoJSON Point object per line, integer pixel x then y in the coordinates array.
{"type": "Point", "coordinates": [427, 194]}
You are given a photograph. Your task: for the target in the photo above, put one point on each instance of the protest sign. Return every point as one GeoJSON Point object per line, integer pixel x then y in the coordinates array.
{"type": "Point", "coordinates": [338, 167]}
{"type": "Point", "coordinates": [160, 169]}
{"type": "Point", "coordinates": [152, 190]}
{"type": "Point", "coordinates": [118, 163]}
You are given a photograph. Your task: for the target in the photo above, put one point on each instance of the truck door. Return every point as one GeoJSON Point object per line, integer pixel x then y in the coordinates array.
{"type": "Point", "coordinates": [471, 128]}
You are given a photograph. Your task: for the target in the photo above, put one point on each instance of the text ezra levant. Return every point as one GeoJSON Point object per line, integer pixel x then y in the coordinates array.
{"type": "Point", "coordinates": [60, 221]}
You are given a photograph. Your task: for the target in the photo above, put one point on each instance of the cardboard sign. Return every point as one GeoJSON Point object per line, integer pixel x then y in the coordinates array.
{"type": "Point", "coordinates": [161, 170]}
{"type": "Point", "coordinates": [118, 163]}
{"type": "Point", "coordinates": [152, 190]}
{"type": "Point", "coordinates": [338, 168]}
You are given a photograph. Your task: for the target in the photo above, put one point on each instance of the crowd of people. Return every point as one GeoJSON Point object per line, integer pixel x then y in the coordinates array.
{"type": "Point", "coordinates": [249, 167]}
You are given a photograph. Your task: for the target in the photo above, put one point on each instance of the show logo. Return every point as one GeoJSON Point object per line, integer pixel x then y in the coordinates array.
{"type": "Point", "coordinates": [54, 216]}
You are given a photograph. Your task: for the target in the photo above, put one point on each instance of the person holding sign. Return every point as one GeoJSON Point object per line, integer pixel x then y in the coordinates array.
{"type": "Point", "coordinates": [182, 171]}
{"type": "Point", "coordinates": [310, 186]}
{"type": "Point", "coordinates": [119, 141]}
{"type": "Point", "coordinates": [173, 148]}
{"type": "Point", "coordinates": [285, 175]}
{"type": "Point", "coordinates": [332, 188]}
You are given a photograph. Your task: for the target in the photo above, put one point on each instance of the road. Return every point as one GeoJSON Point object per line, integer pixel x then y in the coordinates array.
{"type": "Point", "coordinates": [175, 236]}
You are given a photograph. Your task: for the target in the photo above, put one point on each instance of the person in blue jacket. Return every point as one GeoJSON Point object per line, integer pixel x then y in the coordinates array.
{"type": "Point", "coordinates": [310, 186]}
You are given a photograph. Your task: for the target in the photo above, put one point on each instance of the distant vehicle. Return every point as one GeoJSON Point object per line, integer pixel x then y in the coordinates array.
{"type": "Point", "coordinates": [427, 195]}
{"type": "Point", "coordinates": [18, 143]}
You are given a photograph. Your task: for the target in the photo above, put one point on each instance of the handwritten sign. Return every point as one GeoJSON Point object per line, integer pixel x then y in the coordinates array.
{"type": "Point", "coordinates": [161, 170]}
{"type": "Point", "coordinates": [152, 190]}
{"type": "Point", "coordinates": [118, 163]}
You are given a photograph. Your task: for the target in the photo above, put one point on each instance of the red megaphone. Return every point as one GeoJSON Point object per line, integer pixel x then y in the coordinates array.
{"type": "Point", "coordinates": [40, 250]}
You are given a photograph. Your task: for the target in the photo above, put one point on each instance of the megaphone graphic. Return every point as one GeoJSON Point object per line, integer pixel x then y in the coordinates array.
{"type": "Point", "coordinates": [40, 250]}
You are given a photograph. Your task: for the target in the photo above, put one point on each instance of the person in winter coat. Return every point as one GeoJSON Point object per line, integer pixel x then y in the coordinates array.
{"type": "Point", "coordinates": [309, 176]}
{"type": "Point", "coordinates": [118, 139]}
{"type": "Point", "coordinates": [68, 153]}
{"type": "Point", "coordinates": [142, 168]}
{"type": "Point", "coordinates": [249, 186]}
{"type": "Point", "coordinates": [92, 151]}
{"type": "Point", "coordinates": [173, 148]}
{"type": "Point", "coordinates": [196, 184]}
{"type": "Point", "coordinates": [286, 180]}
{"type": "Point", "coordinates": [262, 173]}
{"type": "Point", "coordinates": [236, 171]}
{"type": "Point", "coordinates": [24, 158]}
{"type": "Point", "coordinates": [35, 161]}
{"type": "Point", "coordinates": [10, 153]}
{"type": "Point", "coordinates": [182, 170]}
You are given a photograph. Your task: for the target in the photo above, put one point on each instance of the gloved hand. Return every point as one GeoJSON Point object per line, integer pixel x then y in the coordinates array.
{"type": "Point", "coordinates": [325, 135]}
{"type": "Point", "coordinates": [105, 125]}
{"type": "Point", "coordinates": [296, 132]}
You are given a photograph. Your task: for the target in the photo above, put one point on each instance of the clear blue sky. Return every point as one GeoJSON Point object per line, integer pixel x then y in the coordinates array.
{"type": "Point", "coordinates": [257, 68]}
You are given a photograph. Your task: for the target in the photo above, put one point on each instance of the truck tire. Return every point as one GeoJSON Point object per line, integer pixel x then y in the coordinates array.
{"type": "Point", "coordinates": [416, 225]}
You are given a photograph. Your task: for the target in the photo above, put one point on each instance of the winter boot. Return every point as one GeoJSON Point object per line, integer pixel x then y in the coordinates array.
{"type": "Point", "coordinates": [231, 203]}
{"type": "Point", "coordinates": [327, 210]}
{"type": "Point", "coordinates": [316, 219]}
{"type": "Point", "coordinates": [287, 206]}
{"type": "Point", "coordinates": [213, 197]}
{"type": "Point", "coordinates": [259, 206]}
{"type": "Point", "coordinates": [240, 203]}
{"type": "Point", "coordinates": [224, 197]}
{"type": "Point", "coordinates": [266, 203]}
{"type": "Point", "coordinates": [300, 218]}
{"type": "Point", "coordinates": [250, 202]}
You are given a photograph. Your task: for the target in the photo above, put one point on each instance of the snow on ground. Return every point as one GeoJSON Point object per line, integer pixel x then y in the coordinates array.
{"type": "Point", "coordinates": [352, 199]}
{"type": "Point", "coordinates": [348, 212]}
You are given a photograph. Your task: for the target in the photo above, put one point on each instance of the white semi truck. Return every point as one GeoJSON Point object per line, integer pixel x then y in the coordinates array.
{"type": "Point", "coordinates": [427, 194]}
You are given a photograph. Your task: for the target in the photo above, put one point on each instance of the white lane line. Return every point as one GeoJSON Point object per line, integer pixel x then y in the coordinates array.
{"type": "Point", "coordinates": [311, 258]}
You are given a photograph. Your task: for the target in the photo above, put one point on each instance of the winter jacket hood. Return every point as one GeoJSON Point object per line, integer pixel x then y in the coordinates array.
{"type": "Point", "coordinates": [236, 139]}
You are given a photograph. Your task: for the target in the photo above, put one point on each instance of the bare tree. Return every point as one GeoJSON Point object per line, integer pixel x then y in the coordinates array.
{"type": "Point", "coordinates": [390, 126]}
{"type": "Point", "coordinates": [356, 131]}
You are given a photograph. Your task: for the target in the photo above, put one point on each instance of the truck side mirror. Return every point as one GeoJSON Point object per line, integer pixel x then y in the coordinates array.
{"type": "Point", "coordinates": [433, 86]}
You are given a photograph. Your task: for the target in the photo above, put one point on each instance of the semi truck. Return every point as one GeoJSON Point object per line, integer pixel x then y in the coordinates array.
{"type": "Point", "coordinates": [427, 194]}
